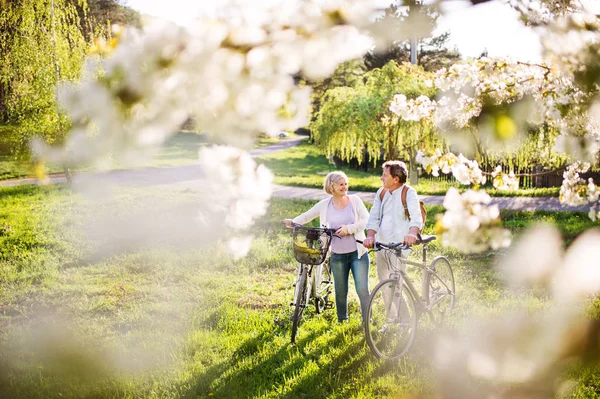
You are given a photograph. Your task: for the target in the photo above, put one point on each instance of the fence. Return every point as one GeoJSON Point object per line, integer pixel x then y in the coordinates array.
{"type": "Point", "coordinates": [535, 177]}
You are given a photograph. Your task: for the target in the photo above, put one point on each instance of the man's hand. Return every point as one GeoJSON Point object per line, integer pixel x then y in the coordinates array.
{"type": "Point", "coordinates": [369, 242]}
{"type": "Point", "coordinates": [288, 223]}
{"type": "Point", "coordinates": [410, 239]}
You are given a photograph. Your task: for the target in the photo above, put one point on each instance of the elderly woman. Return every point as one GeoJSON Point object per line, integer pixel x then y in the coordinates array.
{"type": "Point", "coordinates": [348, 215]}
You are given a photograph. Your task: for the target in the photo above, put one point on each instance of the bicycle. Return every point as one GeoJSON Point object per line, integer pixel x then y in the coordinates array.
{"type": "Point", "coordinates": [311, 246]}
{"type": "Point", "coordinates": [395, 305]}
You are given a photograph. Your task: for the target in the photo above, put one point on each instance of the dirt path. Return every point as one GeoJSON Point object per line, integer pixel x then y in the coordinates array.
{"type": "Point", "coordinates": [189, 177]}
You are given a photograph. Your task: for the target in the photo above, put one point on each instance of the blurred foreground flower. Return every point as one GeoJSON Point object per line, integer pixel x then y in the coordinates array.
{"type": "Point", "coordinates": [520, 355]}
{"type": "Point", "coordinates": [235, 75]}
{"type": "Point", "coordinates": [470, 224]}
{"type": "Point", "coordinates": [237, 191]}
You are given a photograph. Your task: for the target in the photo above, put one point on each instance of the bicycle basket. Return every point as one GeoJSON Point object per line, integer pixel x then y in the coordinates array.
{"type": "Point", "coordinates": [311, 244]}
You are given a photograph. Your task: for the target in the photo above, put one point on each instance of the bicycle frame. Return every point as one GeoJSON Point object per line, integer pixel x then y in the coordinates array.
{"type": "Point", "coordinates": [310, 293]}
{"type": "Point", "coordinates": [396, 306]}
{"type": "Point", "coordinates": [422, 299]}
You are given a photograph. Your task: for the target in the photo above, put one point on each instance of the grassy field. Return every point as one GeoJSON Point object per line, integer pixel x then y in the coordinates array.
{"type": "Point", "coordinates": [306, 166]}
{"type": "Point", "coordinates": [186, 321]}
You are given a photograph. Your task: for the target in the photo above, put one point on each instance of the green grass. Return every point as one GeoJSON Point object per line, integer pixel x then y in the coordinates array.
{"type": "Point", "coordinates": [166, 321]}
{"type": "Point", "coordinates": [305, 166]}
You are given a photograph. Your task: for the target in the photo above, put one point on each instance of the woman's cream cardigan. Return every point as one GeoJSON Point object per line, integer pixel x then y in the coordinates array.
{"type": "Point", "coordinates": [361, 217]}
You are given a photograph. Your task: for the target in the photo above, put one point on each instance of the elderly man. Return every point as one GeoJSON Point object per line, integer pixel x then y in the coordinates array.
{"type": "Point", "coordinates": [387, 220]}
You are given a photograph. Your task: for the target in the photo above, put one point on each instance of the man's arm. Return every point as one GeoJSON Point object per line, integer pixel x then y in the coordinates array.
{"type": "Point", "coordinates": [374, 221]}
{"type": "Point", "coordinates": [416, 221]}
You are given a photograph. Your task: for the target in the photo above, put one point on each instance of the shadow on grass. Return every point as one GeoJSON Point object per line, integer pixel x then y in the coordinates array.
{"type": "Point", "coordinates": [327, 361]}
{"type": "Point", "coordinates": [290, 371]}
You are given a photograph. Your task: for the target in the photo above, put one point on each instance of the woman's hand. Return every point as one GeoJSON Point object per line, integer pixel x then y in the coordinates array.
{"type": "Point", "coordinates": [342, 231]}
{"type": "Point", "coordinates": [288, 223]}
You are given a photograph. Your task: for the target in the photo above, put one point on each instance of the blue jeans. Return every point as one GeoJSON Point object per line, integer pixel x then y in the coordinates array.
{"type": "Point", "coordinates": [341, 264]}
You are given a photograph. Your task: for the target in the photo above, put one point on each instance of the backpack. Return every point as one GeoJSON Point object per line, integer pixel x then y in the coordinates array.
{"type": "Point", "coordinates": [406, 213]}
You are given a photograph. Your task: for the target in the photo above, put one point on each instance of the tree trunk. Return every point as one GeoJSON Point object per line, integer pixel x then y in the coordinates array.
{"type": "Point", "coordinates": [413, 172]}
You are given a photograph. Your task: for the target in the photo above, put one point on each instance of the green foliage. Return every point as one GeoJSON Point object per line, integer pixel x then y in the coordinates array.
{"type": "Point", "coordinates": [349, 124]}
{"type": "Point", "coordinates": [40, 44]}
{"type": "Point", "coordinates": [347, 74]}
{"type": "Point", "coordinates": [535, 149]}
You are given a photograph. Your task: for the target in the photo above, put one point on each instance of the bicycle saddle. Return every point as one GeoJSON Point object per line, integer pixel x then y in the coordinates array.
{"type": "Point", "coordinates": [428, 239]}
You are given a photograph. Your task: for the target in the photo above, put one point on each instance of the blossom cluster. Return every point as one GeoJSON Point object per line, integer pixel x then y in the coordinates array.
{"type": "Point", "coordinates": [570, 41]}
{"type": "Point", "coordinates": [517, 93]}
{"type": "Point", "coordinates": [504, 181]}
{"type": "Point", "coordinates": [415, 110]}
{"type": "Point", "coordinates": [464, 170]}
{"type": "Point", "coordinates": [234, 75]}
{"type": "Point", "coordinates": [575, 190]}
{"type": "Point", "coordinates": [471, 223]}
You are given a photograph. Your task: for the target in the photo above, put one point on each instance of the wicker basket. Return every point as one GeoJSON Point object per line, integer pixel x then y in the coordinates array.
{"type": "Point", "coordinates": [311, 244]}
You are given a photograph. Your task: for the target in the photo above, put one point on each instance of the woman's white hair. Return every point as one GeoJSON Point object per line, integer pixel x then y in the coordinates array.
{"type": "Point", "coordinates": [331, 179]}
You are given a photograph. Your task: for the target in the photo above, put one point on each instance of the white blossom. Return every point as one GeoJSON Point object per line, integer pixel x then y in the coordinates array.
{"type": "Point", "coordinates": [574, 190]}
{"type": "Point", "coordinates": [470, 224]}
{"type": "Point", "coordinates": [504, 181]}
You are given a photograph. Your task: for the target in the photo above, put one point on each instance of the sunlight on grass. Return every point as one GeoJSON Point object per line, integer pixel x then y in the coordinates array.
{"type": "Point", "coordinates": [163, 322]}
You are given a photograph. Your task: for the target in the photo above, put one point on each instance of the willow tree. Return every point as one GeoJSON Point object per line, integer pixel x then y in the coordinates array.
{"type": "Point", "coordinates": [355, 122]}
{"type": "Point", "coordinates": [41, 43]}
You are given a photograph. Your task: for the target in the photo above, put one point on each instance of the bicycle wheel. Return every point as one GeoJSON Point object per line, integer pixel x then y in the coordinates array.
{"type": "Point", "coordinates": [392, 322]}
{"type": "Point", "coordinates": [441, 290]}
{"type": "Point", "coordinates": [299, 302]}
{"type": "Point", "coordinates": [322, 287]}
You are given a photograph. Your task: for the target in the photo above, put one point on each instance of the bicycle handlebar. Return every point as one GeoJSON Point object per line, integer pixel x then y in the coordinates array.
{"type": "Point", "coordinates": [377, 246]}
{"type": "Point", "coordinates": [325, 229]}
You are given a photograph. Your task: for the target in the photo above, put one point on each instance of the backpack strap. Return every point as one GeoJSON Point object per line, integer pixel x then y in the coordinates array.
{"type": "Point", "coordinates": [403, 198]}
{"type": "Point", "coordinates": [382, 193]}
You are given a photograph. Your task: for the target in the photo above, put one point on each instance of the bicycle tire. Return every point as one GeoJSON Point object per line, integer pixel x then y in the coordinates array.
{"type": "Point", "coordinates": [323, 284]}
{"type": "Point", "coordinates": [390, 330]}
{"type": "Point", "coordinates": [442, 290]}
{"type": "Point", "coordinates": [299, 303]}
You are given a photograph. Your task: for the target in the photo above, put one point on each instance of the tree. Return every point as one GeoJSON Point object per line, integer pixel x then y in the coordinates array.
{"type": "Point", "coordinates": [354, 122]}
{"type": "Point", "coordinates": [433, 52]}
{"type": "Point", "coordinates": [347, 74]}
{"type": "Point", "coordinates": [100, 14]}
{"type": "Point", "coordinates": [40, 44]}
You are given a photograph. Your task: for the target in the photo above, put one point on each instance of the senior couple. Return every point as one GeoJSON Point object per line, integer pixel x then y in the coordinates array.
{"type": "Point", "coordinates": [385, 223]}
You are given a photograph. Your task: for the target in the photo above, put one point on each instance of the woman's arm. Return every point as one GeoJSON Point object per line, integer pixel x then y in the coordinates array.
{"type": "Point", "coordinates": [311, 213]}
{"type": "Point", "coordinates": [363, 215]}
